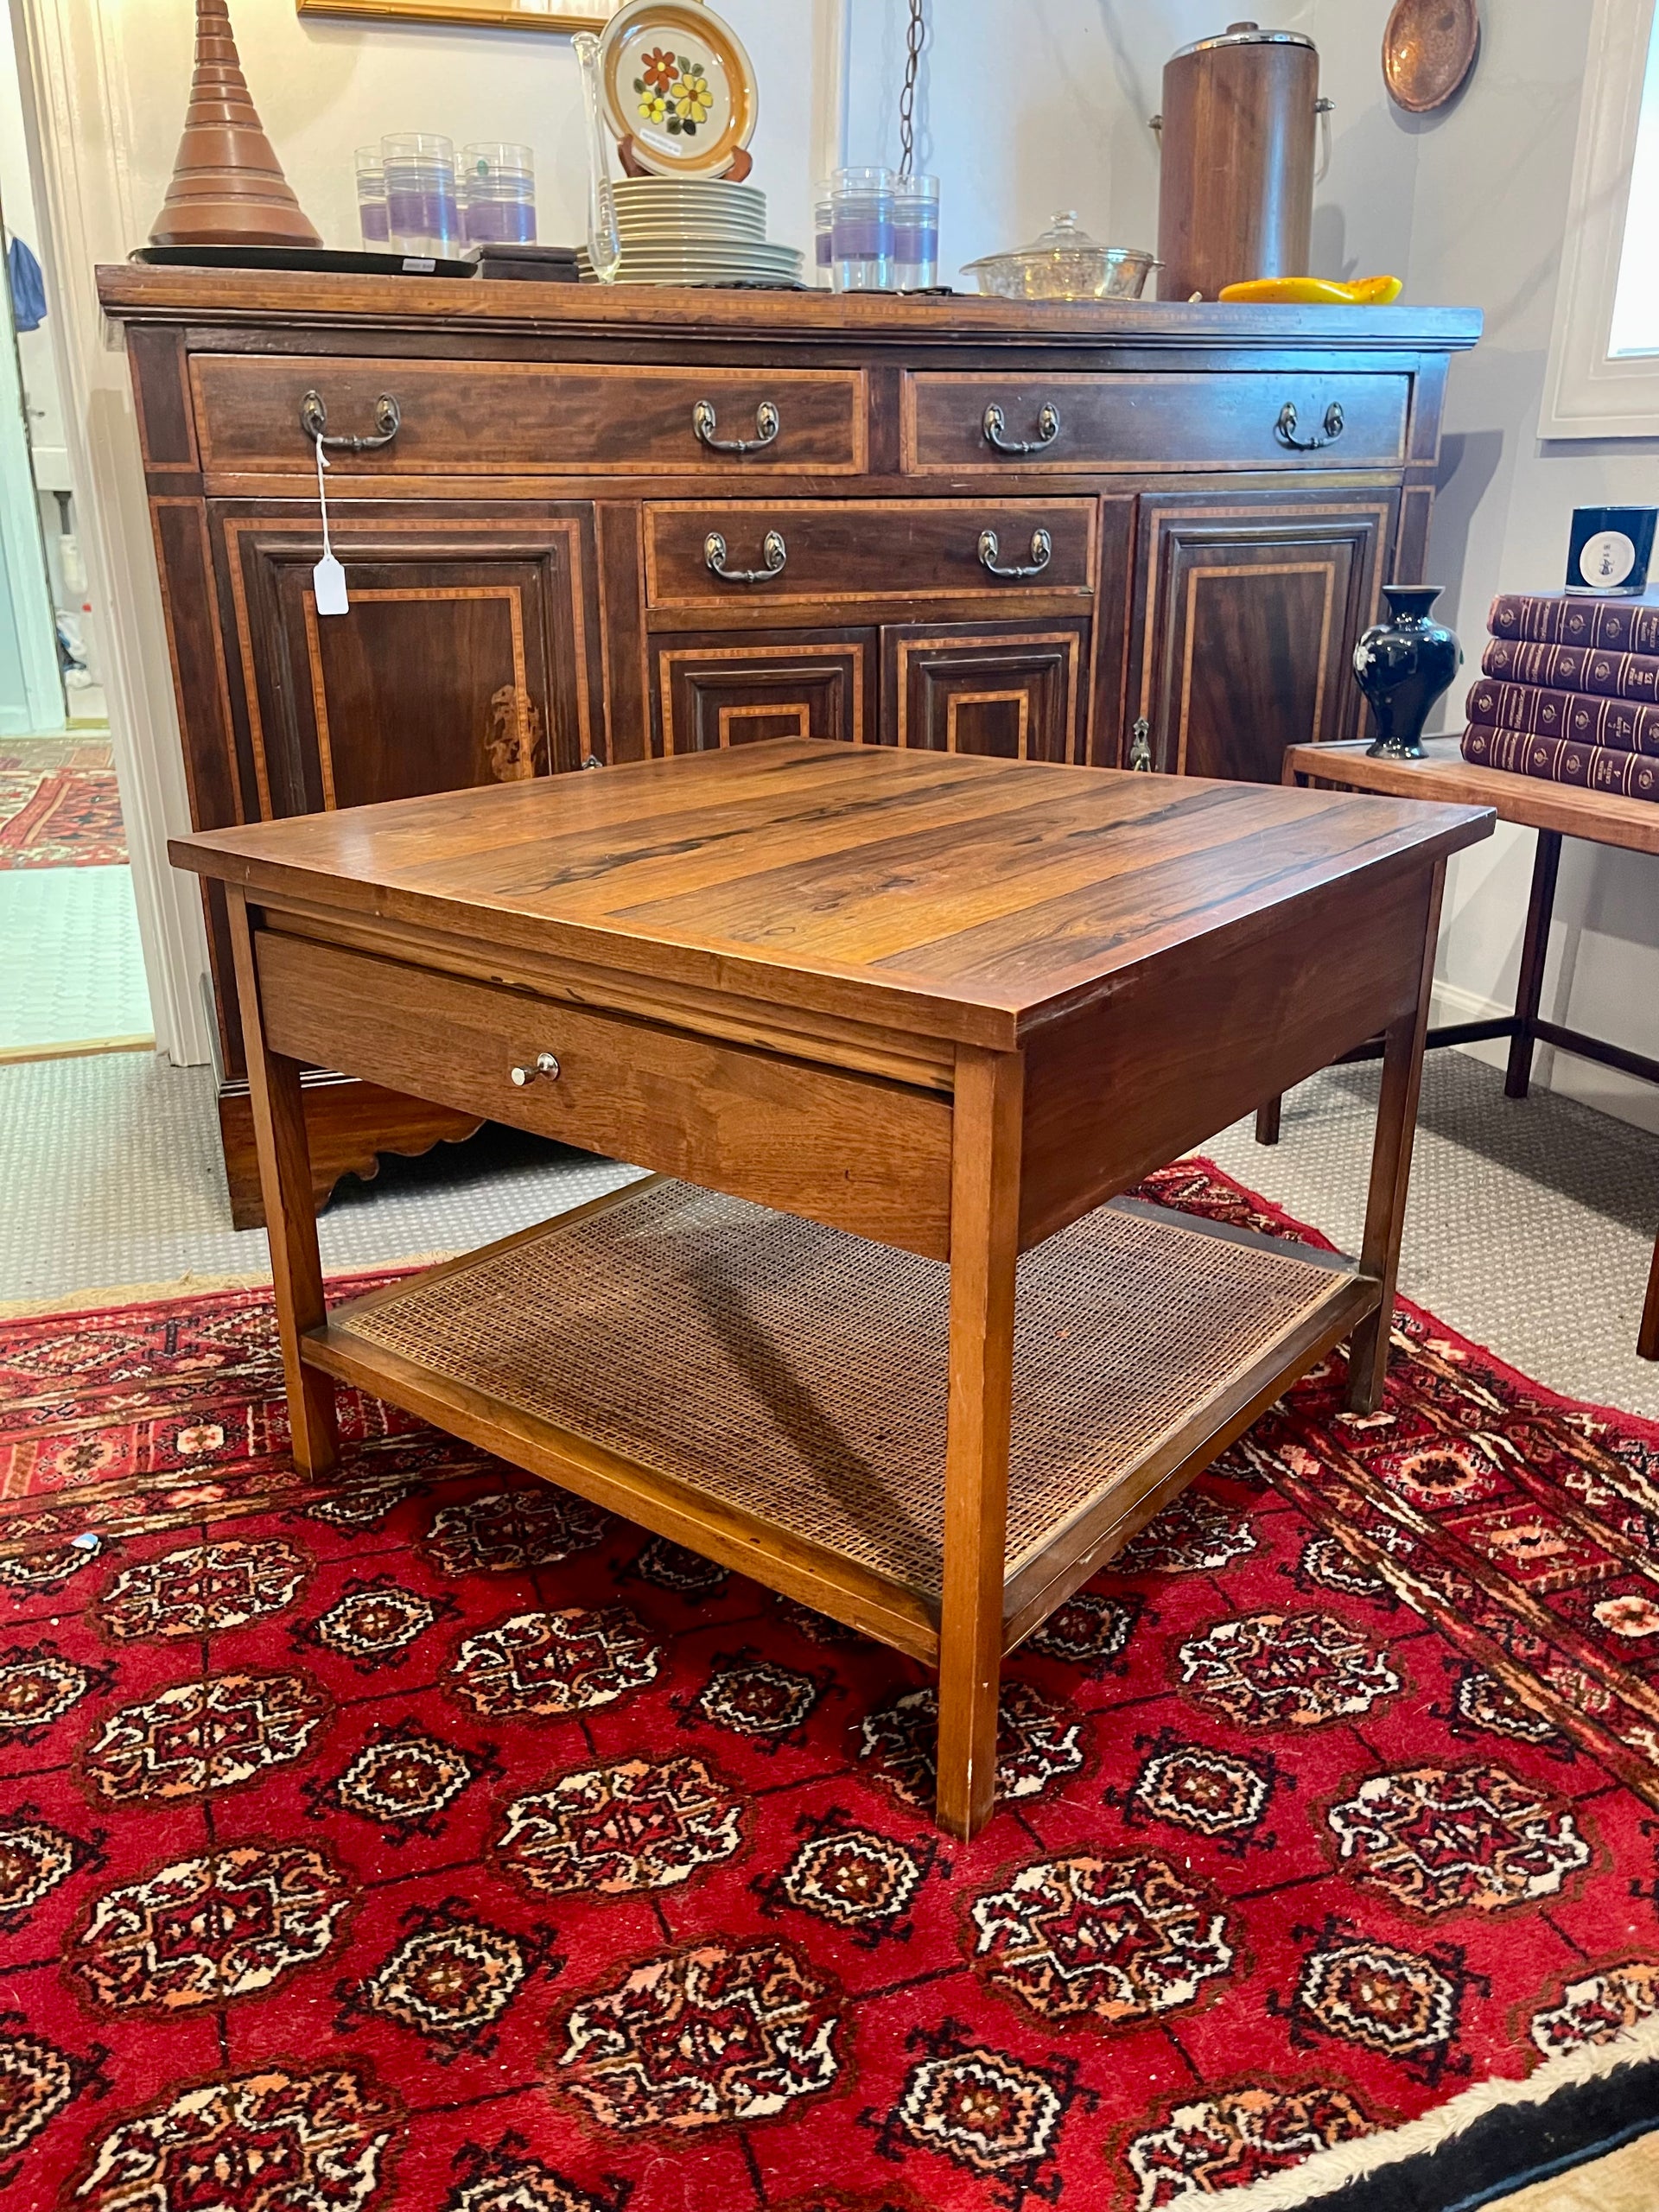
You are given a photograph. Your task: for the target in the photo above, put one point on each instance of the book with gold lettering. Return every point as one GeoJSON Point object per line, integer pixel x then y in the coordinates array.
{"type": "Point", "coordinates": [1562, 761]}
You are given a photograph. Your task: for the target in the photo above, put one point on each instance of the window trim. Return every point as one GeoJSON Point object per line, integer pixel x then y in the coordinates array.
{"type": "Point", "coordinates": [1587, 392]}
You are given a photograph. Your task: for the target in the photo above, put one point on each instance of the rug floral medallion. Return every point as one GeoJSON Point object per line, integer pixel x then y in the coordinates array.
{"type": "Point", "coordinates": [432, 1839]}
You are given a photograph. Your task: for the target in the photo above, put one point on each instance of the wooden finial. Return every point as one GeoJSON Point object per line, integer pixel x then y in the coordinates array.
{"type": "Point", "coordinates": [228, 186]}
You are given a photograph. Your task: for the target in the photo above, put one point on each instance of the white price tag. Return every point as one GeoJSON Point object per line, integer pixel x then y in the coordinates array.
{"type": "Point", "coordinates": [327, 578]}
{"type": "Point", "coordinates": [328, 587]}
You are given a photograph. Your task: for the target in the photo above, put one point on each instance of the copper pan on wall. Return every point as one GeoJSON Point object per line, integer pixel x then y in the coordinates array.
{"type": "Point", "coordinates": [1428, 49]}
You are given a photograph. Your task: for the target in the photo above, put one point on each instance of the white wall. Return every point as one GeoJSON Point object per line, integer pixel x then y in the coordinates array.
{"type": "Point", "coordinates": [1030, 105]}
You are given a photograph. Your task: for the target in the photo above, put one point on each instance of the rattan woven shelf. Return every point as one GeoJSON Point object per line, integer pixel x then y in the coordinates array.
{"type": "Point", "coordinates": [796, 1375]}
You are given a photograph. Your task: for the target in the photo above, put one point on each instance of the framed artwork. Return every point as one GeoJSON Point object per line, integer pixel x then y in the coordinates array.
{"type": "Point", "coordinates": [488, 15]}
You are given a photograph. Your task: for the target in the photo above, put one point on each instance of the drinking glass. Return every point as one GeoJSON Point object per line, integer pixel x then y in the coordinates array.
{"type": "Point", "coordinates": [422, 210]}
{"type": "Point", "coordinates": [823, 236]}
{"type": "Point", "coordinates": [498, 183]}
{"type": "Point", "coordinates": [371, 196]}
{"type": "Point", "coordinates": [861, 229]}
{"type": "Point", "coordinates": [916, 233]}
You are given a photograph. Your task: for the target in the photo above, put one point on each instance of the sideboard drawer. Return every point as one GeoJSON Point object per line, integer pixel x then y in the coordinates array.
{"type": "Point", "coordinates": [530, 418]}
{"type": "Point", "coordinates": [1218, 419]}
{"type": "Point", "coordinates": [808, 551]}
{"type": "Point", "coordinates": [853, 1151]}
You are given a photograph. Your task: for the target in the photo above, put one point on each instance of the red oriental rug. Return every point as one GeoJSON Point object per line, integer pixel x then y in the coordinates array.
{"type": "Point", "coordinates": [68, 816]}
{"type": "Point", "coordinates": [431, 1840]}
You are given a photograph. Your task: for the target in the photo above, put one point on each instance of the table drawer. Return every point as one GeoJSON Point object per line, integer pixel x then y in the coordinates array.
{"type": "Point", "coordinates": [1256, 418]}
{"type": "Point", "coordinates": [849, 1150]}
{"type": "Point", "coordinates": [530, 418]}
{"type": "Point", "coordinates": [807, 551]}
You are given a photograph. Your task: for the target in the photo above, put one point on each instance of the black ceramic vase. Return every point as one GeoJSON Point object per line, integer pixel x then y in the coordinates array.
{"type": "Point", "coordinates": [1404, 666]}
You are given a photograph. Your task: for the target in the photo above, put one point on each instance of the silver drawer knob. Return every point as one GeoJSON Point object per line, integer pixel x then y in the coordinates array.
{"type": "Point", "coordinates": [545, 1064]}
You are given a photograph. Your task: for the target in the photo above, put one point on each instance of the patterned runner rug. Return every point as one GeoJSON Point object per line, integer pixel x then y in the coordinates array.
{"type": "Point", "coordinates": [430, 1839]}
{"type": "Point", "coordinates": [59, 805]}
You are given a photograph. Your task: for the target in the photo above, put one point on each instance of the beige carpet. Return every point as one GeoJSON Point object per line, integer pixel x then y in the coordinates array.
{"type": "Point", "coordinates": [1628, 2181]}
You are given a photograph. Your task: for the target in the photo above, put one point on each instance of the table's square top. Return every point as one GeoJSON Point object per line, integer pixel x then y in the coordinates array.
{"type": "Point", "coordinates": [956, 895]}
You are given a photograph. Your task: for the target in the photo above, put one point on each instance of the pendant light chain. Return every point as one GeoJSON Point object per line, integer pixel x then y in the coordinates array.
{"type": "Point", "coordinates": [915, 39]}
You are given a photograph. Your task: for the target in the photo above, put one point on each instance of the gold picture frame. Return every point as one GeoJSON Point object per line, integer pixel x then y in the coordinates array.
{"type": "Point", "coordinates": [482, 14]}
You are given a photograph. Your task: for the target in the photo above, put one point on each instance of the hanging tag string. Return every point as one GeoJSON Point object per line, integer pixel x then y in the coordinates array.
{"type": "Point", "coordinates": [327, 578]}
{"type": "Point", "coordinates": [322, 500]}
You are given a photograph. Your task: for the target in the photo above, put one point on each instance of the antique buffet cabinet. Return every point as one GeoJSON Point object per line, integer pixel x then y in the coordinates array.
{"type": "Point", "coordinates": [580, 525]}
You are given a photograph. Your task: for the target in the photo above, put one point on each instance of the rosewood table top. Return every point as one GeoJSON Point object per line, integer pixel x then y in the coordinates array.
{"type": "Point", "coordinates": [966, 898]}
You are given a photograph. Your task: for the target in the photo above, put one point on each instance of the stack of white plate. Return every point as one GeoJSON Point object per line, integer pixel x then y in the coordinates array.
{"type": "Point", "coordinates": [694, 230]}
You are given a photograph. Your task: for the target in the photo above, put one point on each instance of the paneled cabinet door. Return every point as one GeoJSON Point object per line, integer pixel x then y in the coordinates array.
{"type": "Point", "coordinates": [1010, 689]}
{"type": "Point", "coordinates": [468, 654]}
{"type": "Point", "coordinates": [718, 690]}
{"type": "Point", "coordinates": [1246, 610]}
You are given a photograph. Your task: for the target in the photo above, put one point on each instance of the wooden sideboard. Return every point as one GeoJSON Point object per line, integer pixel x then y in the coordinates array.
{"type": "Point", "coordinates": [612, 523]}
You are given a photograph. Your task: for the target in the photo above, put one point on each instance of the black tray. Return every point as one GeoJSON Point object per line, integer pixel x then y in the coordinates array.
{"type": "Point", "coordinates": [320, 259]}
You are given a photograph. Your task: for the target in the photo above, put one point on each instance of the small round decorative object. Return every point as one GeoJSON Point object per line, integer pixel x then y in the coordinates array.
{"type": "Point", "coordinates": [1404, 666]}
{"type": "Point", "coordinates": [1428, 49]}
{"type": "Point", "coordinates": [677, 84]}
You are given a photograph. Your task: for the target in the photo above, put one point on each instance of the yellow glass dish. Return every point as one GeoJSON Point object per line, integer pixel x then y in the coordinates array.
{"type": "Point", "coordinates": [1316, 292]}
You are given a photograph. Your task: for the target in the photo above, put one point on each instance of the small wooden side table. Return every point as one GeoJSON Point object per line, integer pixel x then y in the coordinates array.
{"type": "Point", "coordinates": [1555, 810]}
{"type": "Point", "coordinates": [891, 1019]}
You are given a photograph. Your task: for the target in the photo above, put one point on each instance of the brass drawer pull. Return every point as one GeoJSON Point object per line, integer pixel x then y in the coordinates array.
{"type": "Point", "coordinates": [545, 1064]}
{"type": "Point", "coordinates": [994, 425]}
{"type": "Point", "coordinates": [773, 553]}
{"type": "Point", "coordinates": [767, 423]}
{"type": "Point", "coordinates": [1042, 552]}
{"type": "Point", "coordinates": [388, 420]}
{"type": "Point", "coordinates": [1285, 429]}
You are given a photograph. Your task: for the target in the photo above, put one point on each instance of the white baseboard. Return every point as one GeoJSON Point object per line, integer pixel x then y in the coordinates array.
{"type": "Point", "coordinates": [1625, 1097]}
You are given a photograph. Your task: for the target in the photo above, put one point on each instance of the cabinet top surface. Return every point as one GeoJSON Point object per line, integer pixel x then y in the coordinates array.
{"type": "Point", "coordinates": [959, 896]}
{"type": "Point", "coordinates": [132, 291]}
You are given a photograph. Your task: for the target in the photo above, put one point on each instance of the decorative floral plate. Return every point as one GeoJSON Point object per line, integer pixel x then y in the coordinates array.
{"type": "Point", "coordinates": [675, 80]}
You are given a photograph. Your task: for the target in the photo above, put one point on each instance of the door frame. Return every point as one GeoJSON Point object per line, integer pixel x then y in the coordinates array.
{"type": "Point", "coordinates": [78, 121]}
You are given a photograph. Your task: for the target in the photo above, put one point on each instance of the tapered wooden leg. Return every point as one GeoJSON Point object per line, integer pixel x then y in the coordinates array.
{"type": "Point", "coordinates": [290, 1212]}
{"type": "Point", "coordinates": [1267, 1119]}
{"type": "Point", "coordinates": [984, 1247]}
{"type": "Point", "coordinates": [1535, 952]}
{"type": "Point", "coordinates": [1385, 1210]}
{"type": "Point", "coordinates": [1647, 1342]}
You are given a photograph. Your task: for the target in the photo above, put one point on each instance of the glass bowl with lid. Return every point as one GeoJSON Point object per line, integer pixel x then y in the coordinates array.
{"type": "Point", "coordinates": [1064, 264]}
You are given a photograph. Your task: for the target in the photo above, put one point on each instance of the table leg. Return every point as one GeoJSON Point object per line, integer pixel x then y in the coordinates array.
{"type": "Point", "coordinates": [1647, 1342]}
{"type": "Point", "coordinates": [1385, 1210]}
{"type": "Point", "coordinates": [1267, 1113]}
{"type": "Point", "coordinates": [1534, 951]}
{"type": "Point", "coordinates": [290, 1212]}
{"type": "Point", "coordinates": [984, 1248]}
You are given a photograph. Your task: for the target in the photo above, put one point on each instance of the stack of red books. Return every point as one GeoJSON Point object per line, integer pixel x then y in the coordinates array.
{"type": "Point", "coordinates": [1569, 691]}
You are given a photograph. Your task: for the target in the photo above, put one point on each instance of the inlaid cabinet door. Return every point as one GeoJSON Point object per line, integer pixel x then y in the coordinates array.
{"type": "Point", "coordinates": [1012, 691]}
{"type": "Point", "coordinates": [721, 689]}
{"type": "Point", "coordinates": [1246, 610]}
{"type": "Point", "coordinates": [464, 658]}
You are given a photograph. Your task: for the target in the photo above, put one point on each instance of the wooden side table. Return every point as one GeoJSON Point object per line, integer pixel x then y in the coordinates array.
{"type": "Point", "coordinates": [1555, 810]}
{"type": "Point", "coordinates": [890, 1020]}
